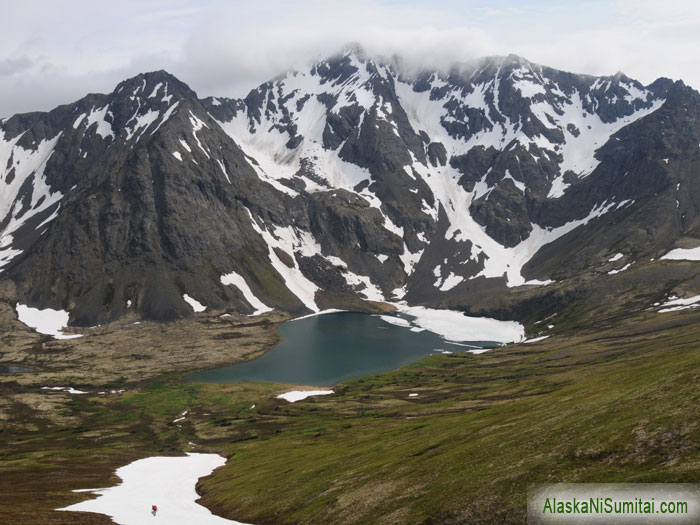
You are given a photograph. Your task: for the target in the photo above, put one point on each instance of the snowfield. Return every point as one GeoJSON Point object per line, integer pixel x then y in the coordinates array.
{"type": "Point", "coordinates": [167, 482]}
{"type": "Point", "coordinates": [48, 321]}
{"type": "Point", "coordinates": [455, 326]}
{"type": "Point", "coordinates": [683, 254]}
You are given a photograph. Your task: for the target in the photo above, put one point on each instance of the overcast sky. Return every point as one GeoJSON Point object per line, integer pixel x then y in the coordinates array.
{"type": "Point", "coordinates": [55, 52]}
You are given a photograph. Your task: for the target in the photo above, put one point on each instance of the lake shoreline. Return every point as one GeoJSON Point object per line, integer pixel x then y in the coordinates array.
{"type": "Point", "coordinates": [328, 348]}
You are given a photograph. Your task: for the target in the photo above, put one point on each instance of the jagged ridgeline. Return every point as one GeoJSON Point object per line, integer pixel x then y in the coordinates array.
{"type": "Point", "coordinates": [340, 183]}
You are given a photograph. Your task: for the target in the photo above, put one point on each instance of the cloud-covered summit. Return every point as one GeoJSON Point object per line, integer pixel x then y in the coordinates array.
{"type": "Point", "coordinates": [52, 56]}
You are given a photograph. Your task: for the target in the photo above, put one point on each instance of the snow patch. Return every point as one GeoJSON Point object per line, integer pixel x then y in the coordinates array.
{"type": "Point", "coordinates": [68, 389]}
{"type": "Point", "coordinates": [366, 287]}
{"type": "Point", "coordinates": [455, 326]}
{"type": "Point", "coordinates": [450, 282]}
{"type": "Point", "coordinates": [535, 339]}
{"type": "Point", "coordinates": [141, 124]}
{"type": "Point", "coordinates": [683, 254]}
{"type": "Point", "coordinates": [410, 259]}
{"type": "Point", "coordinates": [198, 124]}
{"type": "Point", "coordinates": [168, 482]}
{"type": "Point", "coordinates": [77, 122]}
{"type": "Point", "coordinates": [398, 321]}
{"type": "Point", "coordinates": [223, 169]}
{"type": "Point", "coordinates": [182, 416]}
{"type": "Point", "coordinates": [196, 305]}
{"type": "Point", "coordinates": [297, 395]}
{"type": "Point", "coordinates": [97, 116]}
{"type": "Point", "coordinates": [625, 267]}
{"type": "Point", "coordinates": [166, 98]}
{"type": "Point", "coordinates": [239, 282]}
{"type": "Point", "coordinates": [155, 90]}
{"type": "Point", "coordinates": [47, 321]}
{"type": "Point", "coordinates": [674, 305]}
{"type": "Point", "coordinates": [322, 312]}
{"type": "Point", "coordinates": [519, 185]}
{"type": "Point", "coordinates": [528, 88]}
{"type": "Point", "coordinates": [166, 116]}
{"type": "Point", "coordinates": [186, 146]}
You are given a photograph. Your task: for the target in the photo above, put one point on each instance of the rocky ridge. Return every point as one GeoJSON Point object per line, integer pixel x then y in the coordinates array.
{"type": "Point", "coordinates": [341, 183]}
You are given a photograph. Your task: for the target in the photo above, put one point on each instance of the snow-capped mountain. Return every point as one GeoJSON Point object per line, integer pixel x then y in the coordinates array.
{"type": "Point", "coordinates": [343, 182]}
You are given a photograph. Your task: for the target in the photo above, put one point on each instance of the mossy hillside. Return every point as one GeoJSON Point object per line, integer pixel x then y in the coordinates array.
{"type": "Point", "coordinates": [616, 407]}
{"type": "Point", "coordinates": [617, 404]}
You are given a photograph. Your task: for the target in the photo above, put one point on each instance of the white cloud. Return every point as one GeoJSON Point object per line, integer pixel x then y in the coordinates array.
{"type": "Point", "coordinates": [51, 55]}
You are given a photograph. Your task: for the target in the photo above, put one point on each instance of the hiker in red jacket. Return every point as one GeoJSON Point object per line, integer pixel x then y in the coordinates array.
{"type": "Point", "coordinates": [154, 509]}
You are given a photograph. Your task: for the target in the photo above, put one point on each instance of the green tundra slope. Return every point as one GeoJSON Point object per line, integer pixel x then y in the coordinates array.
{"type": "Point", "coordinates": [619, 402]}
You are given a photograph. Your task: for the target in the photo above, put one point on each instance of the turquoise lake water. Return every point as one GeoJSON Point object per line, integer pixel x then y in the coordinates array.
{"type": "Point", "coordinates": [326, 349]}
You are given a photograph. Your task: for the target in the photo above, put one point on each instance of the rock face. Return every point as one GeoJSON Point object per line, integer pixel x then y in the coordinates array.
{"type": "Point", "coordinates": [341, 182]}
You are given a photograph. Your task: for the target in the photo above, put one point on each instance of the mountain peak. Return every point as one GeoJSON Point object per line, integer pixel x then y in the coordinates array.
{"type": "Point", "coordinates": [620, 77]}
{"type": "Point", "coordinates": [356, 49]}
{"type": "Point", "coordinates": [153, 83]}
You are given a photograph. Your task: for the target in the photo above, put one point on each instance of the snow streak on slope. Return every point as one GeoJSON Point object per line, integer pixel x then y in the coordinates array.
{"type": "Point", "coordinates": [17, 167]}
{"type": "Point", "coordinates": [239, 282]}
{"type": "Point", "coordinates": [97, 116]}
{"type": "Point", "coordinates": [265, 141]}
{"type": "Point", "coordinates": [293, 241]}
{"type": "Point", "coordinates": [584, 133]}
{"type": "Point", "coordinates": [196, 305]}
{"type": "Point", "coordinates": [265, 150]}
{"type": "Point", "coordinates": [427, 114]}
{"type": "Point", "coordinates": [500, 261]}
{"type": "Point", "coordinates": [168, 113]}
{"type": "Point", "coordinates": [147, 112]}
{"type": "Point", "coordinates": [290, 241]}
{"type": "Point", "coordinates": [141, 123]}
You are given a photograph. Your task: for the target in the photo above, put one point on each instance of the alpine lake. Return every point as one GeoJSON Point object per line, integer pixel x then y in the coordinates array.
{"type": "Point", "coordinates": [324, 350]}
